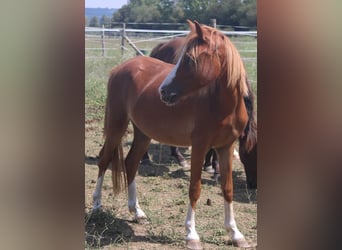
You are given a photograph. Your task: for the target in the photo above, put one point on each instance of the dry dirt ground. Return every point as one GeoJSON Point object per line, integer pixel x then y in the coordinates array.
{"type": "Point", "coordinates": [163, 195]}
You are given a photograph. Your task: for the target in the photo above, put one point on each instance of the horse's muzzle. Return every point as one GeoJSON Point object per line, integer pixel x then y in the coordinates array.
{"type": "Point", "coordinates": [167, 97]}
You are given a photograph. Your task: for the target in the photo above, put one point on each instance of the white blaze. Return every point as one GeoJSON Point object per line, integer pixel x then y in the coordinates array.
{"type": "Point", "coordinates": [171, 75]}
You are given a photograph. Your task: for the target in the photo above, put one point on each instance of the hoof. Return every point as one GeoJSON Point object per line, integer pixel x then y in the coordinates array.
{"type": "Point", "coordinates": [216, 177]}
{"type": "Point", "coordinates": [142, 220]}
{"type": "Point", "coordinates": [181, 160]}
{"type": "Point", "coordinates": [194, 244]}
{"type": "Point", "coordinates": [145, 162]}
{"type": "Point", "coordinates": [209, 169]}
{"type": "Point", "coordinates": [184, 164]}
{"type": "Point", "coordinates": [241, 243]}
{"type": "Point", "coordinates": [97, 207]}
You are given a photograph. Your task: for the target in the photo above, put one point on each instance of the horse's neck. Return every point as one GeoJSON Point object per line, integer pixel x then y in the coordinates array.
{"type": "Point", "coordinates": [223, 96]}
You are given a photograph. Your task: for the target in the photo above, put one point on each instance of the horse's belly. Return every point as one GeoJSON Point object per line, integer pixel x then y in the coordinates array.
{"type": "Point", "coordinates": [169, 125]}
{"type": "Point", "coordinates": [164, 132]}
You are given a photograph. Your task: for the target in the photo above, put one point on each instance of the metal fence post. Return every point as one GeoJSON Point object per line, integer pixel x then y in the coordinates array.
{"type": "Point", "coordinates": [123, 35]}
{"type": "Point", "coordinates": [213, 23]}
{"type": "Point", "coordinates": [103, 43]}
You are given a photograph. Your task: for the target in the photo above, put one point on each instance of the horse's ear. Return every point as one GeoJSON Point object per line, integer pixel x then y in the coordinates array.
{"type": "Point", "coordinates": [191, 25]}
{"type": "Point", "coordinates": [199, 30]}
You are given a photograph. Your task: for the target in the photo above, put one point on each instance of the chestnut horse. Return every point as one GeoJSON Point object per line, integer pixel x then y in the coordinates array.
{"type": "Point", "coordinates": [166, 52]}
{"type": "Point", "coordinates": [198, 102]}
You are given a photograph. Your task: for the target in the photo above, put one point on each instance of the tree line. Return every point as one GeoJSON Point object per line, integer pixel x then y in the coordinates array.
{"type": "Point", "coordinates": [226, 12]}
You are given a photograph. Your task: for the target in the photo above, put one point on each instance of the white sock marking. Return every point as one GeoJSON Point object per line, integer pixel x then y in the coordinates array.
{"type": "Point", "coordinates": [133, 204]}
{"type": "Point", "coordinates": [229, 221]}
{"type": "Point", "coordinates": [97, 193]}
{"type": "Point", "coordinates": [236, 154]}
{"type": "Point", "coordinates": [190, 225]}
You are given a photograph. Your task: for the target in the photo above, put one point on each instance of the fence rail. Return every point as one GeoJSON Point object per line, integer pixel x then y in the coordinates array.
{"type": "Point", "coordinates": [94, 29]}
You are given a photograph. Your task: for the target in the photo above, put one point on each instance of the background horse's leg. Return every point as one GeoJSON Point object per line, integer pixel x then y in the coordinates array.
{"type": "Point", "coordinates": [207, 166]}
{"type": "Point", "coordinates": [137, 150]}
{"type": "Point", "coordinates": [179, 157]}
{"type": "Point", "coordinates": [249, 161]}
{"type": "Point", "coordinates": [197, 157]}
{"type": "Point", "coordinates": [225, 155]}
{"type": "Point", "coordinates": [145, 159]}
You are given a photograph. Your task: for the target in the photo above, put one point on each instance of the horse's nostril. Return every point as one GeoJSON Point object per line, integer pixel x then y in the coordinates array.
{"type": "Point", "coordinates": [172, 97]}
{"type": "Point", "coordinates": [167, 96]}
{"type": "Point", "coordinates": [163, 92]}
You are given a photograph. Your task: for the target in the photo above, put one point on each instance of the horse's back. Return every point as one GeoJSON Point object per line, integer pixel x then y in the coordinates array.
{"type": "Point", "coordinates": [135, 74]}
{"type": "Point", "coordinates": [140, 65]}
{"type": "Point", "coordinates": [167, 51]}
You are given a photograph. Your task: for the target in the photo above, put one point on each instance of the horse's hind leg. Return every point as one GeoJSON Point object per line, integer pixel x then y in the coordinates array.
{"type": "Point", "coordinates": [137, 150]}
{"type": "Point", "coordinates": [97, 193]}
{"type": "Point", "coordinates": [106, 155]}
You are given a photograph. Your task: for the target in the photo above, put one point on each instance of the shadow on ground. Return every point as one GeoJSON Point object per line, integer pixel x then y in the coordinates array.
{"type": "Point", "coordinates": [90, 160]}
{"type": "Point", "coordinates": [102, 228]}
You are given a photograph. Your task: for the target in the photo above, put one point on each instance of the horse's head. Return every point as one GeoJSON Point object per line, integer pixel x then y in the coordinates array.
{"type": "Point", "coordinates": [206, 57]}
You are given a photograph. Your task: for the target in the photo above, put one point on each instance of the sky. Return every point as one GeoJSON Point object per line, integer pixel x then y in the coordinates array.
{"type": "Point", "coordinates": [105, 3]}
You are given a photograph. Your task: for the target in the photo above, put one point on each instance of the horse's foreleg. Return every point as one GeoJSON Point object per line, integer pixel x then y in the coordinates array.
{"type": "Point", "coordinates": [225, 155]}
{"type": "Point", "coordinates": [197, 157]}
{"type": "Point", "coordinates": [137, 150]}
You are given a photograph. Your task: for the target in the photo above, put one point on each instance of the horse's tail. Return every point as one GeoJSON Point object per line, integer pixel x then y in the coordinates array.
{"type": "Point", "coordinates": [249, 138]}
{"type": "Point", "coordinates": [119, 176]}
{"type": "Point", "coordinates": [112, 152]}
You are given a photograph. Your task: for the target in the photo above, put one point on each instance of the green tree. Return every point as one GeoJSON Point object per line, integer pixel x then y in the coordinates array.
{"type": "Point", "coordinates": [138, 11]}
{"type": "Point", "coordinates": [123, 14]}
{"type": "Point", "coordinates": [248, 13]}
{"type": "Point", "coordinates": [195, 9]}
{"type": "Point", "coordinates": [170, 11]}
{"type": "Point", "coordinates": [106, 21]}
{"type": "Point", "coordinates": [227, 12]}
{"type": "Point", "coordinates": [94, 22]}
{"type": "Point", "coordinates": [146, 12]}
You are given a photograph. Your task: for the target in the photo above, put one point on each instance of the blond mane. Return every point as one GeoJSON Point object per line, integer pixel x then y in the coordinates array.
{"type": "Point", "coordinates": [235, 69]}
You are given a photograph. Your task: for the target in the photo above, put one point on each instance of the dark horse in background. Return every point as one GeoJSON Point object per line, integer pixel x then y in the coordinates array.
{"type": "Point", "coordinates": [167, 52]}
{"type": "Point", "coordinates": [199, 102]}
